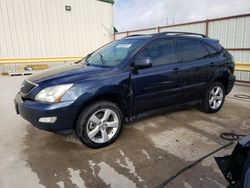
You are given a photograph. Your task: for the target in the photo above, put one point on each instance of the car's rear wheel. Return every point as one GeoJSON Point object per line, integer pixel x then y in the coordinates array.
{"type": "Point", "coordinates": [99, 124]}
{"type": "Point", "coordinates": [214, 98]}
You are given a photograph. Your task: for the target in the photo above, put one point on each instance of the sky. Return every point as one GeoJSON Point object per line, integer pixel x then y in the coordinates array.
{"type": "Point", "coordinates": [138, 14]}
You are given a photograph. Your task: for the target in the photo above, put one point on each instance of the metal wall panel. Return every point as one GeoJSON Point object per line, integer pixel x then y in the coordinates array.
{"type": "Point", "coordinates": [148, 31]}
{"type": "Point", "coordinates": [241, 55]}
{"type": "Point", "coordinates": [136, 32]}
{"type": "Point", "coordinates": [120, 35]}
{"type": "Point", "coordinates": [197, 28]}
{"type": "Point", "coordinates": [43, 28]}
{"type": "Point", "coordinates": [242, 75]}
{"type": "Point", "coordinates": [232, 33]}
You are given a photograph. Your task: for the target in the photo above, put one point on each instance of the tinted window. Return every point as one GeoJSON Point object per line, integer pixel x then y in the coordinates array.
{"type": "Point", "coordinates": [209, 48]}
{"type": "Point", "coordinates": [161, 52]}
{"type": "Point", "coordinates": [191, 49]}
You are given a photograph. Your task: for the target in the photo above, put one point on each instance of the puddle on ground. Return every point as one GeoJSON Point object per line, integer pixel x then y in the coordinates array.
{"type": "Point", "coordinates": [145, 153]}
{"type": "Point", "coordinates": [60, 184]}
{"type": "Point", "coordinates": [245, 125]}
{"type": "Point", "coordinates": [183, 143]}
{"type": "Point", "coordinates": [143, 156]}
{"type": "Point", "coordinates": [112, 178]}
{"type": "Point", "coordinates": [59, 162]}
{"type": "Point", "coordinates": [75, 178]}
{"type": "Point", "coordinates": [208, 127]}
{"type": "Point", "coordinates": [186, 185]}
{"type": "Point", "coordinates": [128, 165]}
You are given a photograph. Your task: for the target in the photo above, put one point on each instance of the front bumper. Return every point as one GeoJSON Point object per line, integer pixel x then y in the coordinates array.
{"type": "Point", "coordinates": [32, 111]}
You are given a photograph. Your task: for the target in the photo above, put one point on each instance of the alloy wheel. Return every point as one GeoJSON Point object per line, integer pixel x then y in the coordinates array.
{"type": "Point", "coordinates": [102, 125]}
{"type": "Point", "coordinates": [216, 97]}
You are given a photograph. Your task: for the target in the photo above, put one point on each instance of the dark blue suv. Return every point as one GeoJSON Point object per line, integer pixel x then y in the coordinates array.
{"type": "Point", "coordinates": [125, 78]}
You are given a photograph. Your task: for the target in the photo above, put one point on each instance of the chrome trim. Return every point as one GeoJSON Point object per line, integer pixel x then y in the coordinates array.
{"type": "Point", "coordinates": [34, 84]}
{"type": "Point", "coordinates": [31, 82]}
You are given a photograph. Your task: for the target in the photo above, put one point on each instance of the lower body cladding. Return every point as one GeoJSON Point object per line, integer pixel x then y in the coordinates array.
{"type": "Point", "coordinates": [51, 117]}
{"type": "Point", "coordinates": [231, 81]}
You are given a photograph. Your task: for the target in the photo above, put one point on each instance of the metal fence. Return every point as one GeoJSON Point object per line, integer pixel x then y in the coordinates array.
{"type": "Point", "coordinates": [233, 33]}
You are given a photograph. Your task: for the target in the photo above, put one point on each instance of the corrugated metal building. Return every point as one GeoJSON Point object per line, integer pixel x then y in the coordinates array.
{"type": "Point", "coordinates": [52, 32]}
{"type": "Point", "coordinates": [233, 33]}
{"type": "Point", "coordinates": [53, 28]}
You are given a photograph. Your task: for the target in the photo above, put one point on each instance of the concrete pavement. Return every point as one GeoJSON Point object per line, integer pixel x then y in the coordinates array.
{"type": "Point", "coordinates": [147, 152]}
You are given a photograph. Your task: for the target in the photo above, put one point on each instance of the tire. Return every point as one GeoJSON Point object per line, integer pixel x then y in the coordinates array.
{"type": "Point", "coordinates": [95, 120]}
{"type": "Point", "coordinates": [213, 99]}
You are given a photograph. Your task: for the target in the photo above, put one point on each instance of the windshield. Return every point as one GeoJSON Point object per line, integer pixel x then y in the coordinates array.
{"type": "Point", "coordinates": [113, 53]}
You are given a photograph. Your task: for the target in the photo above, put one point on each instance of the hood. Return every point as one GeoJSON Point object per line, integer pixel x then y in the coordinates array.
{"type": "Point", "coordinates": [63, 74]}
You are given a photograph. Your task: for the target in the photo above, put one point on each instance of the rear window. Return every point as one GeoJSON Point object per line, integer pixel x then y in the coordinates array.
{"type": "Point", "coordinates": [190, 49]}
{"type": "Point", "coordinates": [215, 44]}
{"type": "Point", "coordinates": [210, 49]}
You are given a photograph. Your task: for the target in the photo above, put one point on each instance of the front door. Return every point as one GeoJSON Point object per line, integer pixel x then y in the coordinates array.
{"type": "Point", "coordinates": [158, 85]}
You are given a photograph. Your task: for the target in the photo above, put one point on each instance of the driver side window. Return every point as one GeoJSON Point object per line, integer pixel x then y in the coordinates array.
{"type": "Point", "coordinates": [161, 52]}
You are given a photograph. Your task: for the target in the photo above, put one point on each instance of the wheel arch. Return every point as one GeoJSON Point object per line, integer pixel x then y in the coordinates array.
{"type": "Point", "coordinates": [220, 79]}
{"type": "Point", "coordinates": [111, 97]}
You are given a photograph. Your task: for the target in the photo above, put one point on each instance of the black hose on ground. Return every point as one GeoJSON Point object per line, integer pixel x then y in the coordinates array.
{"type": "Point", "coordinates": [231, 136]}
{"type": "Point", "coordinates": [227, 136]}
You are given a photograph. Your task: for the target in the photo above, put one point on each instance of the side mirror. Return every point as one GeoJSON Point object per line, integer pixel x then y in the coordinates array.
{"type": "Point", "coordinates": [142, 62]}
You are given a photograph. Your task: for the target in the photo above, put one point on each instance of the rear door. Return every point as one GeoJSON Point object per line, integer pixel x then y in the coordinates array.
{"type": "Point", "coordinates": [194, 67]}
{"type": "Point", "coordinates": [156, 86]}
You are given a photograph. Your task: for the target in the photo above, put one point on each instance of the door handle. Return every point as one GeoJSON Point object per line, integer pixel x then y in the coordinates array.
{"type": "Point", "coordinates": [176, 70]}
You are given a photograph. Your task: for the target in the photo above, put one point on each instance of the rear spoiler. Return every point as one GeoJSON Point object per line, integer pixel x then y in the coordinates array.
{"type": "Point", "coordinates": [215, 43]}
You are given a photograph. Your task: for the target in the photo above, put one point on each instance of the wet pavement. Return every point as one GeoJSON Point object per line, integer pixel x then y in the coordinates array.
{"type": "Point", "coordinates": [147, 152]}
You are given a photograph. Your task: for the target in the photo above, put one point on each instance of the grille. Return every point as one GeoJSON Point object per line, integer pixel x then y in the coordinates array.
{"type": "Point", "coordinates": [27, 86]}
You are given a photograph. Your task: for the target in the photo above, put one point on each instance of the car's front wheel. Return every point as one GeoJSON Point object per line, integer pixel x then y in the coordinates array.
{"type": "Point", "coordinates": [99, 124]}
{"type": "Point", "coordinates": [214, 98]}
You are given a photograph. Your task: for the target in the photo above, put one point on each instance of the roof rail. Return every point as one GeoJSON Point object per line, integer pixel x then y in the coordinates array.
{"type": "Point", "coordinates": [136, 35]}
{"type": "Point", "coordinates": [179, 33]}
{"type": "Point", "coordinates": [176, 33]}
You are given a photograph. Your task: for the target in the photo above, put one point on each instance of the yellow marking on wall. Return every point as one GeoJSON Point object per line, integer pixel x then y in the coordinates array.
{"type": "Point", "coordinates": [37, 60]}
{"type": "Point", "coordinates": [239, 66]}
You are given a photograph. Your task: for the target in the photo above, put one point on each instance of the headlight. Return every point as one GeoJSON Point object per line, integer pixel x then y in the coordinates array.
{"type": "Point", "coordinates": [53, 93]}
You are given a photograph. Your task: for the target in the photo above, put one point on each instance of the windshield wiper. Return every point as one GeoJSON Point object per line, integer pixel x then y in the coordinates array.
{"type": "Point", "coordinates": [102, 59]}
{"type": "Point", "coordinates": [86, 59]}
